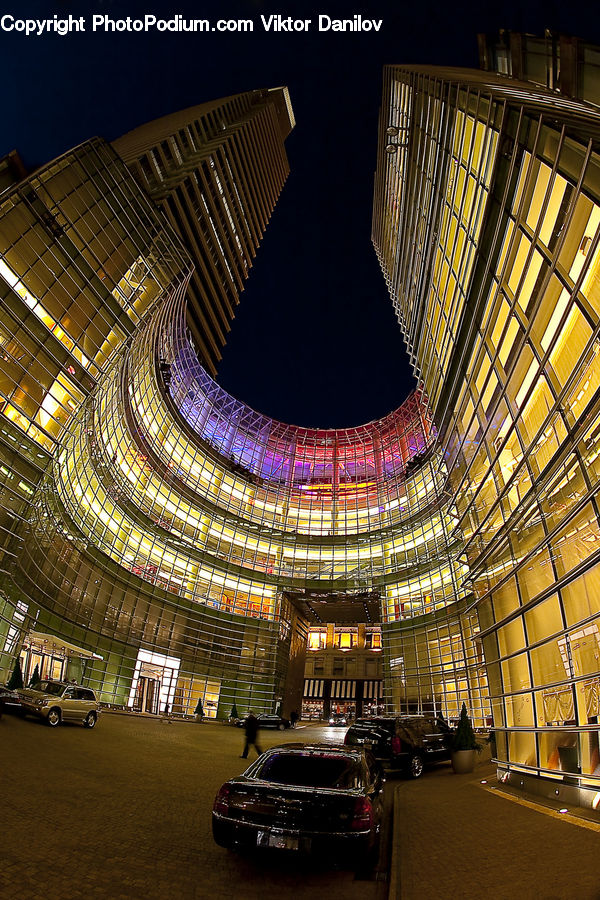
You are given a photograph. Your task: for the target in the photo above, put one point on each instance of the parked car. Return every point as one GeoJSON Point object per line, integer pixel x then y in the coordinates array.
{"type": "Point", "coordinates": [304, 798]}
{"type": "Point", "coordinates": [402, 742]}
{"type": "Point", "coordinates": [9, 701]}
{"type": "Point", "coordinates": [60, 701]}
{"type": "Point", "coordinates": [268, 720]}
{"type": "Point", "coordinates": [338, 720]}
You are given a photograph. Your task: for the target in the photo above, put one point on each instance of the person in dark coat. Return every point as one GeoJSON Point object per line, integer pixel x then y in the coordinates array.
{"type": "Point", "coordinates": [251, 729]}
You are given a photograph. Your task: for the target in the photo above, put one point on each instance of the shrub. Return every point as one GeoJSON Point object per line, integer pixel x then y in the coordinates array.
{"type": "Point", "coordinates": [16, 679]}
{"type": "Point", "coordinates": [35, 678]}
{"type": "Point", "coordinates": [464, 737]}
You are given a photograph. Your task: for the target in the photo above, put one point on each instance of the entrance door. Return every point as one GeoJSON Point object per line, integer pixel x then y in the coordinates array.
{"type": "Point", "coordinates": [153, 683]}
{"type": "Point", "coordinates": [146, 695]}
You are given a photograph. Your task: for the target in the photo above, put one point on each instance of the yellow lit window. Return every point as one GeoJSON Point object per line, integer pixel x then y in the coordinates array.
{"type": "Point", "coordinates": [570, 345]}
{"type": "Point", "coordinates": [556, 197]}
{"type": "Point", "coordinates": [539, 193]}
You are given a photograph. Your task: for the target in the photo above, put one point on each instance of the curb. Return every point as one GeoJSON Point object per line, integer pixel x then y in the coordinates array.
{"type": "Point", "coordinates": [395, 862]}
{"type": "Point", "coordinates": [395, 885]}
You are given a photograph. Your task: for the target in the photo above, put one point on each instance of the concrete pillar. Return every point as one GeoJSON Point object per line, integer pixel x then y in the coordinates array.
{"type": "Point", "coordinates": [329, 638]}
{"type": "Point", "coordinates": [74, 669]}
{"type": "Point", "coordinates": [362, 637]}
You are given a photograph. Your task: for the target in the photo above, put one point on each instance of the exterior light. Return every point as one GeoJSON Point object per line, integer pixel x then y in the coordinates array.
{"type": "Point", "coordinates": [392, 131]}
{"type": "Point", "coordinates": [563, 810]}
{"type": "Point", "coordinates": [391, 148]}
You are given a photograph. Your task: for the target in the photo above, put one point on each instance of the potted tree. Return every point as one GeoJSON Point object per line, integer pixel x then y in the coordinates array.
{"type": "Point", "coordinates": [199, 711]}
{"type": "Point", "coordinates": [464, 745]}
{"type": "Point", "coordinates": [35, 678]}
{"type": "Point", "coordinates": [16, 679]}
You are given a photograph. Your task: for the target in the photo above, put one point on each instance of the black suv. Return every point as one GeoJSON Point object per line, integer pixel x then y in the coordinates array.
{"type": "Point", "coordinates": [402, 742]}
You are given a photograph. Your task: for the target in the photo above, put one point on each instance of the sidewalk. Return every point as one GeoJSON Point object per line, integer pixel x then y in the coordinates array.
{"type": "Point", "coordinates": [455, 837]}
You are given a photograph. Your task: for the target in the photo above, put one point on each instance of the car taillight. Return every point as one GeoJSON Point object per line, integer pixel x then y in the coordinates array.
{"type": "Point", "coordinates": [362, 816]}
{"type": "Point", "coordinates": [221, 804]}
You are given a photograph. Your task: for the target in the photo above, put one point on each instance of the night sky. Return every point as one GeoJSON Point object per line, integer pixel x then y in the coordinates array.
{"type": "Point", "coordinates": [315, 340]}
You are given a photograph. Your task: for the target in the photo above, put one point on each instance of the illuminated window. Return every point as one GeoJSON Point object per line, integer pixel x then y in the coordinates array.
{"type": "Point", "coordinates": [345, 638]}
{"type": "Point", "coordinates": [373, 638]}
{"type": "Point", "coordinates": [317, 638]}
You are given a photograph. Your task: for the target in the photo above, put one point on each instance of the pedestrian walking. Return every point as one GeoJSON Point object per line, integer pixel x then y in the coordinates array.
{"type": "Point", "coordinates": [294, 718]}
{"type": "Point", "coordinates": [251, 729]}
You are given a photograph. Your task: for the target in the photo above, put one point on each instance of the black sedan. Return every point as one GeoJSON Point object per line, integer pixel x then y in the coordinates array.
{"type": "Point", "coordinates": [338, 720]}
{"type": "Point", "coordinates": [404, 742]}
{"type": "Point", "coordinates": [269, 720]}
{"type": "Point", "coordinates": [305, 798]}
{"type": "Point", "coordinates": [10, 701]}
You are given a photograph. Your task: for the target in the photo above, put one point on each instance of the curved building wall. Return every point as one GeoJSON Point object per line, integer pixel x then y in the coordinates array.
{"type": "Point", "coordinates": [504, 316]}
{"type": "Point", "coordinates": [136, 484]}
{"type": "Point", "coordinates": [167, 528]}
{"type": "Point", "coordinates": [78, 241]}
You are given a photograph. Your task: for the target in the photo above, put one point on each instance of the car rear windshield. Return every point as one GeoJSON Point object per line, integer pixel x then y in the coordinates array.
{"type": "Point", "coordinates": [312, 770]}
{"type": "Point", "coordinates": [50, 687]}
{"type": "Point", "coordinates": [372, 728]}
{"type": "Point", "coordinates": [377, 723]}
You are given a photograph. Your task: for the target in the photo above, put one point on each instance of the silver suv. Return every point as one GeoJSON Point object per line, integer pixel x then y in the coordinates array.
{"type": "Point", "coordinates": [60, 701]}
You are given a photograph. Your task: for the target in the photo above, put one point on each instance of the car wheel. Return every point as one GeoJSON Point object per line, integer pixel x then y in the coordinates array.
{"type": "Point", "coordinates": [281, 726]}
{"type": "Point", "coordinates": [90, 720]}
{"type": "Point", "coordinates": [53, 718]}
{"type": "Point", "coordinates": [415, 766]}
{"type": "Point", "coordinates": [366, 862]}
{"type": "Point", "coordinates": [221, 835]}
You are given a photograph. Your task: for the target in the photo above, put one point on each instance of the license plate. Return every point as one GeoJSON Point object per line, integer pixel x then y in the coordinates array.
{"type": "Point", "coordinates": [277, 840]}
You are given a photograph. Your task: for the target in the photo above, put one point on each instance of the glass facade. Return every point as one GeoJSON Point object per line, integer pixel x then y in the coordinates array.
{"type": "Point", "coordinates": [166, 544]}
{"type": "Point", "coordinates": [497, 290]}
{"type": "Point", "coordinates": [177, 542]}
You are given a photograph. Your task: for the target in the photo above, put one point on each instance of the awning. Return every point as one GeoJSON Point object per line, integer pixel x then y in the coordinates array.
{"type": "Point", "coordinates": [343, 690]}
{"type": "Point", "coordinates": [372, 690]}
{"type": "Point", "coordinates": [313, 688]}
{"type": "Point", "coordinates": [49, 643]}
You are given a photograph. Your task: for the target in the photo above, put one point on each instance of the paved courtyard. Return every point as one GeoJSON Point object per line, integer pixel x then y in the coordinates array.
{"type": "Point", "coordinates": [124, 811]}
{"type": "Point", "coordinates": [465, 838]}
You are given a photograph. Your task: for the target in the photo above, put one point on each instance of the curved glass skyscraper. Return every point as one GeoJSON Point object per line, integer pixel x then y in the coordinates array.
{"type": "Point", "coordinates": [174, 544]}
{"type": "Point", "coordinates": [166, 543]}
{"type": "Point", "coordinates": [487, 222]}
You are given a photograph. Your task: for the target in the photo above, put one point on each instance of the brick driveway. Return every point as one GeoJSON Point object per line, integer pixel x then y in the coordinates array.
{"type": "Point", "coordinates": [123, 811]}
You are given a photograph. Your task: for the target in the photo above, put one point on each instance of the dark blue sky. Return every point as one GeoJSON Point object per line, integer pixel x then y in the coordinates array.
{"type": "Point", "coordinates": [315, 340]}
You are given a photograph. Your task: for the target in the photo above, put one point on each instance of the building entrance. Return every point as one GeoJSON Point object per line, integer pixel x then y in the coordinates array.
{"type": "Point", "coordinates": [153, 683]}
{"type": "Point", "coordinates": [55, 659]}
{"type": "Point", "coordinates": [147, 695]}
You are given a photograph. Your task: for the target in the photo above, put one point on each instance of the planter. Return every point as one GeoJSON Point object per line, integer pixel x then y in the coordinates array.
{"type": "Point", "coordinates": [463, 761]}
{"type": "Point", "coordinates": [569, 761]}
